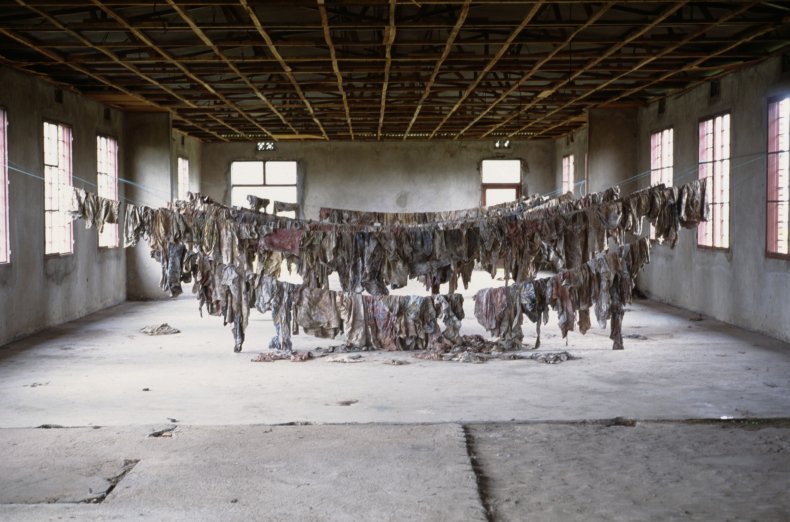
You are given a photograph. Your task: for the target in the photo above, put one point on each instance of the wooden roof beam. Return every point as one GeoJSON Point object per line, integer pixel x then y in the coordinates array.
{"type": "Point", "coordinates": [335, 67]}
{"type": "Point", "coordinates": [447, 48]}
{"type": "Point", "coordinates": [289, 73]}
{"type": "Point", "coordinates": [609, 52]}
{"type": "Point", "coordinates": [54, 21]}
{"type": "Point", "coordinates": [744, 39]}
{"type": "Point", "coordinates": [389, 38]}
{"type": "Point", "coordinates": [60, 59]}
{"type": "Point", "coordinates": [503, 48]}
{"type": "Point", "coordinates": [650, 59]}
{"type": "Point", "coordinates": [173, 61]}
{"type": "Point", "coordinates": [206, 40]}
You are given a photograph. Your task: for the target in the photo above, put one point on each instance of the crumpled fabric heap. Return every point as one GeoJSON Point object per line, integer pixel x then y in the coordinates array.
{"type": "Point", "coordinates": [94, 210]}
{"type": "Point", "coordinates": [604, 284]}
{"type": "Point", "coordinates": [369, 322]}
{"type": "Point", "coordinates": [227, 252]}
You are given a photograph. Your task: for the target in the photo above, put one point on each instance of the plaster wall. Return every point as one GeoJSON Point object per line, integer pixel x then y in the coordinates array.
{"type": "Point", "coordinates": [149, 161]}
{"type": "Point", "coordinates": [612, 149]}
{"type": "Point", "coordinates": [740, 285]}
{"type": "Point", "coordinates": [37, 291]}
{"type": "Point", "coordinates": [184, 146]}
{"type": "Point", "coordinates": [386, 177]}
{"type": "Point", "coordinates": [576, 144]}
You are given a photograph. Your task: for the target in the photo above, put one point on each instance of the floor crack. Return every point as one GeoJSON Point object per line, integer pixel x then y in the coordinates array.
{"type": "Point", "coordinates": [128, 466]}
{"type": "Point", "coordinates": [480, 478]}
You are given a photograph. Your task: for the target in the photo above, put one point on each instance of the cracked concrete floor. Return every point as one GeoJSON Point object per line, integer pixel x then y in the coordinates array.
{"type": "Point", "coordinates": [427, 440]}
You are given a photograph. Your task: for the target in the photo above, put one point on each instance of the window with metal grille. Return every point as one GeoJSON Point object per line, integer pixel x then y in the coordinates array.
{"type": "Point", "coordinates": [107, 184]}
{"type": "Point", "coordinates": [714, 164]}
{"type": "Point", "coordinates": [58, 230]}
{"type": "Point", "coordinates": [500, 181]}
{"type": "Point", "coordinates": [5, 251]}
{"type": "Point", "coordinates": [778, 196]}
{"type": "Point", "coordinates": [567, 173]}
{"type": "Point", "coordinates": [661, 162]}
{"type": "Point", "coordinates": [272, 180]}
{"type": "Point", "coordinates": [183, 178]}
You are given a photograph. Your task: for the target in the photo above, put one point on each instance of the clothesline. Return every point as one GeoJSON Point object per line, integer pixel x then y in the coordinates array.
{"type": "Point", "coordinates": [226, 250]}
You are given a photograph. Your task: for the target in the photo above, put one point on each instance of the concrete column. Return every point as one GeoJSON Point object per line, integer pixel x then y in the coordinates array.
{"type": "Point", "coordinates": [148, 166]}
{"type": "Point", "coordinates": [612, 148]}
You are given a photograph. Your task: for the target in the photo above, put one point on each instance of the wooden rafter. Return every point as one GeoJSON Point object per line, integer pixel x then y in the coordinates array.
{"type": "Point", "coordinates": [58, 58]}
{"type": "Point", "coordinates": [556, 87]}
{"type": "Point", "coordinates": [693, 36]}
{"type": "Point", "coordinates": [288, 71]}
{"type": "Point", "coordinates": [112, 56]}
{"type": "Point", "coordinates": [447, 48]}
{"type": "Point", "coordinates": [205, 39]}
{"type": "Point", "coordinates": [389, 38]}
{"type": "Point", "coordinates": [174, 61]}
{"type": "Point", "coordinates": [744, 39]}
{"type": "Point", "coordinates": [208, 64]}
{"type": "Point", "coordinates": [335, 66]}
{"type": "Point", "coordinates": [490, 65]}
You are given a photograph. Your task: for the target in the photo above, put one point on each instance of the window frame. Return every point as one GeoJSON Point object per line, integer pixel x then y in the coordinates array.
{"type": "Point", "coordinates": [662, 168]}
{"type": "Point", "coordinates": [769, 253]}
{"type": "Point", "coordinates": [182, 183]}
{"type": "Point", "coordinates": [113, 226]}
{"type": "Point", "coordinates": [295, 184]}
{"type": "Point", "coordinates": [5, 211]}
{"type": "Point", "coordinates": [711, 186]}
{"type": "Point", "coordinates": [70, 224]}
{"type": "Point", "coordinates": [516, 186]}
{"type": "Point", "coordinates": [571, 172]}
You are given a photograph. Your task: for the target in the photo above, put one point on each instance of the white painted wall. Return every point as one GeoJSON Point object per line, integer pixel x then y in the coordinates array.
{"type": "Point", "coordinates": [740, 286]}
{"type": "Point", "coordinates": [38, 291]}
{"type": "Point", "coordinates": [384, 176]}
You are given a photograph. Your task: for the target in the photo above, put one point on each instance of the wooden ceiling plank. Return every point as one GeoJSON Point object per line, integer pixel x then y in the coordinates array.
{"type": "Point", "coordinates": [206, 40]}
{"type": "Point", "coordinates": [744, 39]}
{"type": "Point", "coordinates": [58, 58]}
{"type": "Point", "coordinates": [113, 57]}
{"type": "Point", "coordinates": [649, 59]}
{"type": "Point", "coordinates": [288, 71]}
{"type": "Point", "coordinates": [389, 38]}
{"type": "Point", "coordinates": [172, 60]}
{"type": "Point", "coordinates": [447, 48]}
{"type": "Point", "coordinates": [538, 98]}
{"type": "Point", "coordinates": [503, 48]}
{"type": "Point", "coordinates": [335, 66]}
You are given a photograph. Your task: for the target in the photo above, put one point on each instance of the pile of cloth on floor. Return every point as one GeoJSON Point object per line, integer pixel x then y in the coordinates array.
{"type": "Point", "coordinates": [234, 255]}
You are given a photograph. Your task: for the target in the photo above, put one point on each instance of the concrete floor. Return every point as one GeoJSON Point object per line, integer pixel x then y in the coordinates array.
{"type": "Point", "coordinates": [428, 440]}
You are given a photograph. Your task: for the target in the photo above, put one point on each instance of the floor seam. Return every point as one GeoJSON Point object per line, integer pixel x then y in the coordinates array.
{"type": "Point", "coordinates": [480, 478]}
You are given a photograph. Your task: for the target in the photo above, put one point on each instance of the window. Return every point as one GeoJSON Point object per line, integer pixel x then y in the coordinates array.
{"type": "Point", "coordinates": [501, 181]}
{"type": "Point", "coordinates": [107, 184]}
{"type": "Point", "coordinates": [57, 188]}
{"type": "Point", "coordinates": [778, 201]}
{"type": "Point", "coordinates": [714, 164]}
{"type": "Point", "coordinates": [567, 174]}
{"type": "Point", "coordinates": [183, 178]}
{"type": "Point", "coordinates": [5, 253]}
{"type": "Point", "coordinates": [661, 162]}
{"type": "Point", "coordinates": [272, 180]}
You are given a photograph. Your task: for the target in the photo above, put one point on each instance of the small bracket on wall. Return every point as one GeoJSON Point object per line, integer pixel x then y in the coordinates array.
{"type": "Point", "coordinates": [265, 146]}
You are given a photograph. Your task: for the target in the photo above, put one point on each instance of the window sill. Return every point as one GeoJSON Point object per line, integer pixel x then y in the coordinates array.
{"type": "Point", "coordinates": [776, 255]}
{"type": "Point", "coordinates": [713, 248]}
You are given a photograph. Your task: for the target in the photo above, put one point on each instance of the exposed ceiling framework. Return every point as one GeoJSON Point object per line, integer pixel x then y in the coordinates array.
{"type": "Point", "coordinates": [233, 70]}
